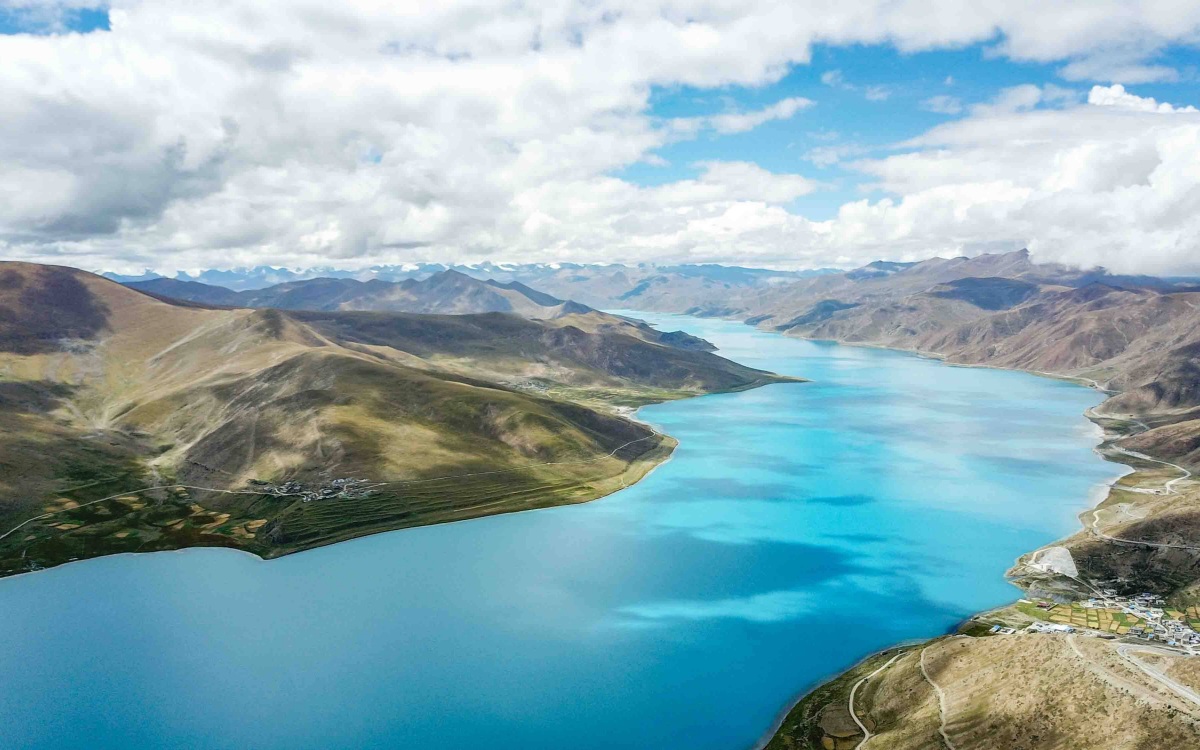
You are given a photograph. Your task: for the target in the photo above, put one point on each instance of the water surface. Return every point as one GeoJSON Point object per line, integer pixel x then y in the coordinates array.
{"type": "Point", "coordinates": [797, 528]}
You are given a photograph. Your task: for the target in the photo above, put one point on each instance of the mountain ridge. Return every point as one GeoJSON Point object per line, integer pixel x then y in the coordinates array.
{"type": "Point", "coordinates": [445, 292]}
{"type": "Point", "coordinates": [108, 391]}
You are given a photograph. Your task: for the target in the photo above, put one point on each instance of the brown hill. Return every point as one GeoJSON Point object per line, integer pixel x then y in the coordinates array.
{"type": "Point", "coordinates": [1134, 335]}
{"type": "Point", "coordinates": [106, 391]}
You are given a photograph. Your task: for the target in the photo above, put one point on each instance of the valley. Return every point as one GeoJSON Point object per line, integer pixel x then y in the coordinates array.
{"type": "Point", "coordinates": [695, 603]}
{"type": "Point", "coordinates": [600, 375]}
{"type": "Point", "coordinates": [371, 375]}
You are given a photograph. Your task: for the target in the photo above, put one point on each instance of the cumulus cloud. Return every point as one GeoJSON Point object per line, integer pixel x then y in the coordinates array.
{"type": "Point", "coordinates": [1117, 96]}
{"type": "Point", "coordinates": [299, 132]}
{"type": "Point", "coordinates": [1112, 182]}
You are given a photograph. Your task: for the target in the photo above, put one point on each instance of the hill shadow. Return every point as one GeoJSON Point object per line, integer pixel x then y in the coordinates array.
{"type": "Point", "coordinates": [36, 314]}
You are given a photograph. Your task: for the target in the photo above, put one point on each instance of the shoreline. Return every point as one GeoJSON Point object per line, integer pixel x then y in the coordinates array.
{"type": "Point", "coordinates": [667, 443]}
{"type": "Point", "coordinates": [640, 467]}
{"type": "Point", "coordinates": [777, 723]}
{"type": "Point", "coordinates": [261, 559]}
{"type": "Point", "coordinates": [1096, 497]}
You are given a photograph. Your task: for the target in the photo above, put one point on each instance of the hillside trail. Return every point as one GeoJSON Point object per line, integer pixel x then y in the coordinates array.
{"type": "Point", "coordinates": [941, 695]}
{"type": "Point", "coordinates": [866, 732]}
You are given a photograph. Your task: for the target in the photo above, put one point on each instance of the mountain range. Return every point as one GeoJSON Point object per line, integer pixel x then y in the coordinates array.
{"type": "Point", "coordinates": [1136, 336]}
{"type": "Point", "coordinates": [240, 417]}
{"type": "Point", "coordinates": [1132, 334]}
{"type": "Point", "coordinates": [311, 381]}
{"type": "Point", "coordinates": [448, 292]}
{"type": "Point", "coordinates": [602, 283]}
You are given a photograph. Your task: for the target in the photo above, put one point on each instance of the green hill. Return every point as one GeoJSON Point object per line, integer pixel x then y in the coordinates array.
{"type": "Point", "coordinates": [276, 431]}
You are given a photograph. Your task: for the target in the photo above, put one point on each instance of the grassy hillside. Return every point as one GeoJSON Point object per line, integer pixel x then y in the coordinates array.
{"type": "Point", "coordinates": [1017, 692]}
{"type": "Point", "coordinates": [273, 431]}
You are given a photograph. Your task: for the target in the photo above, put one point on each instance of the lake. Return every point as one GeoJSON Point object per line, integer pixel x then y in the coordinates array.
{"type": "Point", "coordinates": [797, 528]}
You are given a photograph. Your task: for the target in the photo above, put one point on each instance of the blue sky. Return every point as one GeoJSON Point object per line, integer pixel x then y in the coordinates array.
{"type": "Point", "coordinates": [28, 21]}
{"type": "Point", "coordinates": [304, 132]}
{"type": "Point", "coordinates": [872, 99]}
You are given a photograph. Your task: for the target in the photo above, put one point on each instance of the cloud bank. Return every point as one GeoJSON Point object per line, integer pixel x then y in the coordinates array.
{"type": "Point", "coordinates": [208, 133]}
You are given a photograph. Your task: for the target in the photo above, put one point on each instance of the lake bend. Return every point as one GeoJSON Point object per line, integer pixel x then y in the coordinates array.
{"type": "Point", "coordinates": [797, 528]}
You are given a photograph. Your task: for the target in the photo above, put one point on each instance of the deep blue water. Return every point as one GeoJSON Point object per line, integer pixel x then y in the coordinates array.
{"type": "Point", "coordinates": [797, 528]}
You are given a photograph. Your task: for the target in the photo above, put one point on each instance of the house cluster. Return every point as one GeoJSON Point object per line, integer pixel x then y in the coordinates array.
{"type": "Point", "coordinates": [1144, 616]}
{"type": "Point", "coordinates": [1157, 624]}
{"type": "Point", "coordinates": [345, 488]}
{"type": "Point", "coordinates": [1050, 627]}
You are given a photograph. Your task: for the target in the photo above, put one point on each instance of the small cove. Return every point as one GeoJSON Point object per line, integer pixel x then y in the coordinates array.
{"type": "Point", "coordinates": [797, 528]}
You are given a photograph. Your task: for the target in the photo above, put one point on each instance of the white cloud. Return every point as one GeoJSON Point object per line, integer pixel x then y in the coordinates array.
{"type": "Point", "coordinates": [298, 132]}
{"type": "Point", "coordinates": [877, 93]}
{"type": "Point", "coordinates": [1104, 69]}
{"type": "Point", "coordinates": [943, 104]}
{"type": "Point", "coordinates": [827, 156]}
{"type": "Point", "coordinates": [739, 121]}
{"type": "Point", "coordinates": [873, 93]}
{"type": "Point", "coordinates": [1117, 96]}
{"type": "Point", "coordinates": [1026, 97]}
{"type": "Point", "coordinates": [833, 78]}
{"type": "Point", "coordinates": [1113, 182]}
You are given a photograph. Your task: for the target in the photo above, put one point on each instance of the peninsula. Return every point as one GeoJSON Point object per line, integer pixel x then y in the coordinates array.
{"type": "Point", "coordinates": [136, 423]}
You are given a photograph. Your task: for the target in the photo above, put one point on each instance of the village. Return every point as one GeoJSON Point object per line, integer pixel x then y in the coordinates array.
{"type": "Point", "coordinates": [342, 488]}
{"type": "Point", "coordinates": [1144, 617]}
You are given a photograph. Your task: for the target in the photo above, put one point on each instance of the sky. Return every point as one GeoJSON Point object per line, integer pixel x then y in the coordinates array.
{"type": "Point", "coordinates": [189, 134]}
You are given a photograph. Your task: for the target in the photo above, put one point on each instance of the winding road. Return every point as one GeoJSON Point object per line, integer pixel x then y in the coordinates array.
{"type": "Point", "coordinates": [1183, 691]}
{"type": "Point", "coordinates": [1169, 486]}
{"type": "Point", "coordinates": [135, 492]}
{"type": "Point", "coordinates": [867, 732]}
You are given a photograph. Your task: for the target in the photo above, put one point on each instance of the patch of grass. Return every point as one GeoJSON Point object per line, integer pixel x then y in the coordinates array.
{"type": "Point", "coordinates": [801, 727]}
{"type": "Point", "coordinates": [272, 526]}
{"type": "Point", "coordinates": [1030, 609]}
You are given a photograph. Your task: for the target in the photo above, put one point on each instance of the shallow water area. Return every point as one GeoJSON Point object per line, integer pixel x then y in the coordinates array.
{"type": "Point", "coordinates": [797, 528]}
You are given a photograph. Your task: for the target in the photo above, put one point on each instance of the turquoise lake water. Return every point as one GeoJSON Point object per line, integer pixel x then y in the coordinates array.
{"type": "Point", "coordinates": [797, 528]}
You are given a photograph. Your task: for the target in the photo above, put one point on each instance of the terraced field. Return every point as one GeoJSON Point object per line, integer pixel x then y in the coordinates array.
{"type": "Point", "coordinates": [85, 524]}
{"type": "Point", "coordinates": [1107, 620]}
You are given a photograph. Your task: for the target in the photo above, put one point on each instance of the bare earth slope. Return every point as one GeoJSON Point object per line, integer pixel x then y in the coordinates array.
{"type": "Point", "coordinates": [1137, 336]}
{"type": "Point", "coordinates": [1022, 692]}
{"type": "Point", "coordinates": [273, 431]}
